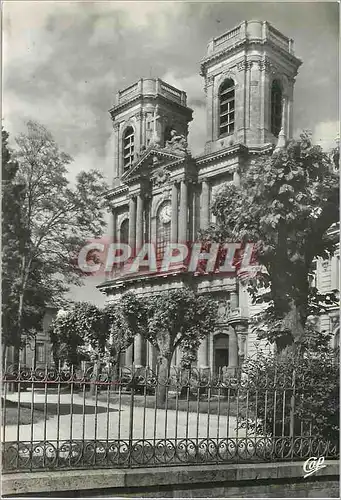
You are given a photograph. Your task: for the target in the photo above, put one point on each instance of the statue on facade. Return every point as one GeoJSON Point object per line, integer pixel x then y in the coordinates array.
{"type": "Point", "coordinates": [177, 141]}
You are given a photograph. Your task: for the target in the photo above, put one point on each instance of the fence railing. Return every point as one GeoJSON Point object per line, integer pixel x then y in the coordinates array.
{"type": "Point", "coordinates": [63, 418]}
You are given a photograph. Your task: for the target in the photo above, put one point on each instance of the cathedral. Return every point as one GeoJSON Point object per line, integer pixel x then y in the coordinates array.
{"type": "Point", "coordinates": [161, 193]}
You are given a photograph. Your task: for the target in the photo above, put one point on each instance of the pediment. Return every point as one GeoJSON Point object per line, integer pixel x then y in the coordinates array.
{"type": "Point", "coordinates": [152, 160]}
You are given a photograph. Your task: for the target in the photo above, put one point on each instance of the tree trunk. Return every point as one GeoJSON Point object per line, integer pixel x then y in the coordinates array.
{"type": "Point", "coordinates": [94, 378]}
{"type": "Point", "coordinates": [163, 374]}
{"type": "Point", "coordinates": [293, 322]}
{"type": "Point", "coordinates": [23, 278]}
{"type": "Point", "coordinates": [116, 368]}
{"type": "Point", "coordinates": [4, 357]}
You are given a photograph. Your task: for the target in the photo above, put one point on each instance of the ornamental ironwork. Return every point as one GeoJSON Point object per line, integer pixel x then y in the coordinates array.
{"type": "Point", "coordinates": [67, 418]}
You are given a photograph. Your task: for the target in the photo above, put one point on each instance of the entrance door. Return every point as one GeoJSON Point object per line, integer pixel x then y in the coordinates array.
{"type": "Point", "coordinates": [221, 351]}
{"type": "Point", "coordinates": [221, 359]}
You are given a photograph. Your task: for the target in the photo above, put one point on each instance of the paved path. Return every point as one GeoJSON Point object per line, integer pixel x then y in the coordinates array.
{"type": "Point", "coordinates": [115, 424]}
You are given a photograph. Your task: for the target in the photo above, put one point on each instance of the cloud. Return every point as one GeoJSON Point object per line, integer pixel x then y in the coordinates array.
{"type": "Point", "coordinates": [193, 85]}
{"type": "Point", "coordinates": [63, 63]}
{"type": "Point", "coordinates": [326, 134]}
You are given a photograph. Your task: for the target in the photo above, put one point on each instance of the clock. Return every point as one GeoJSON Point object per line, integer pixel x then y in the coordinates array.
{"type": "Point", "coordinates": [165, 215]}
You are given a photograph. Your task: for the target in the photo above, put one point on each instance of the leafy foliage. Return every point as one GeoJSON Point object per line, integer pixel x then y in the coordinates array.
{"type": "Point", "coordinates": [56, 219]}
{"type": "Point", "coordinates": [15, 238]}
{"type": "Point", "coordinates": [86, 332]}
{"type": "Point", "coordinates": [304, 391]}
{"type": "Point", "coordinates": [285, 204]}
{"type": "Point", "coordinates": [170, 319]}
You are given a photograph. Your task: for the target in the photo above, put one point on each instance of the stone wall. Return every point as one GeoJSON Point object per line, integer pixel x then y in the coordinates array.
{"type": "Point", "coordinates": [276, 480]}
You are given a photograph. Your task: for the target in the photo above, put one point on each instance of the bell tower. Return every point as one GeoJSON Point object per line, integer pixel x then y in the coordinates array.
{"type": "Point", "coordinates": [143, 116]}
{"type": "Point", "coordinates": [249, 77]}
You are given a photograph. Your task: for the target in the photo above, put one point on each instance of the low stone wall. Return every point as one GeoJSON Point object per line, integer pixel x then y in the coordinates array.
{"type": "Point", "coordinates": [279, 480]}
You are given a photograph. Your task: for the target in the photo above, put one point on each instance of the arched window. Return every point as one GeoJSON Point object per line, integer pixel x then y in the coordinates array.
{"type": "Point", "coordinates": [226, 107]}
{"type": "Point", "coordinates": [276, 107]}
{"type": "Point", "coordinates": [124, 231]}
{"type": "Point", "coordinates": [128, 148]}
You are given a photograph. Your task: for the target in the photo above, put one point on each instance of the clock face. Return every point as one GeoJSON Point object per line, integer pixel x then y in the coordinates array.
{"type": "Point", "coordinates": [166, 214]}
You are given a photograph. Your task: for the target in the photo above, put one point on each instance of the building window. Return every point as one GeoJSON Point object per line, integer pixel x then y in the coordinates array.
{"type": "Point", "coordinates": [276, 108]}
{"type": "Point", "coordinates": [226, 107]}
{"type": "Point", "coordinates": [128, 148]}
{"type": "Point", "coordinates": [124, 231]}
{"type": "Point", "coordinates": [40, 352]}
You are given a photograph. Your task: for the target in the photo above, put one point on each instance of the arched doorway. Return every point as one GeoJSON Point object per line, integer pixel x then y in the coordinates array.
{"type": "Point", "coordinates": [220, 351]}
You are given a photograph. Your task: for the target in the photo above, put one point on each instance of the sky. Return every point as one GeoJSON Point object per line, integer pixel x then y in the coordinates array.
{"type": "Point", "coordinates": [63, 63]}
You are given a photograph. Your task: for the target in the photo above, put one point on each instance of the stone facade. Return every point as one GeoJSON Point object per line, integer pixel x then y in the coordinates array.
{"type": "Point", "coordinates": [161, 192]}
{"type": "Point", "coordinates": [37, 351]}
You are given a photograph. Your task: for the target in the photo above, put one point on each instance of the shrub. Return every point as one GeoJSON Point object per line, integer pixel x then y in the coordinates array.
{"type": "Point", "coordinates": [293, 396]}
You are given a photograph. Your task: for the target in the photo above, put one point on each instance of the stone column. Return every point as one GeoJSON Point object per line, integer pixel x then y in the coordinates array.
{"type": "Point", "coordinates": [138, 341]}
{"type": "Point", "coordinates": [117, 171]}
{"type": "Point", "coordinates": [144, 127]}
{"type": "Point", "coordinates": [285, 116]}
{"type": "Point", "coordinates": [233, 349]}
{"type": "Point", "coordinates": [183, 213]}
{"type": "Point", "coordinates": [175, 208]}
{"type": "Point", "coordinates": [210, 112]}
{"type": "Point", "coordinates": [112, 237]}
{"type": "Point", "coordinates": [112, 227]}
{"type": "Point", "coordinates": [132, 223]}
{"type": "Point", "coordinates": [234, 300]}
{"type": "Point", "coordinates": [205, 204]}
{"type": "Point", "coordinates": [139, 223]}
{"type": "Point", "coordinates": [151, 356]}
{"type": "Point", "coordinates": [203, 354]}
{"type": "Point", "coordinates": [211, 358]}
{"type": "Point", "coordinates": [129, 355]}
{"type": "Point", "coordinates": [290, 109]}
{"type": "Point", "coordinates": [195, 215]}
{"type": "Point", "coordinates": [262, 104]}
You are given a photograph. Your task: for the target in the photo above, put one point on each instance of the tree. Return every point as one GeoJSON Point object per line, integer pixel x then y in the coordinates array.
{"type": "Point", "coordinates": [285, 203]}
{"type": "Point", "coordinates": [86, 332]}
{"type": "Point", "coordinates": [121, 335]}
{"type": "Point", "coordinates": [77, 333]}
{"type": "Point", "coordinates": [170, 319]}
{"type": "Point", "coordinates": [58, 218]}
{"type": "Point", "coordinates": [15, 236]}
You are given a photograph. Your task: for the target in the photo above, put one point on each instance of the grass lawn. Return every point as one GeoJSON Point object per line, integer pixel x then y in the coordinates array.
{"type": "Point", "coordinates": [214, 406]}
{"type": "Point", "coordinates": [25, 415]}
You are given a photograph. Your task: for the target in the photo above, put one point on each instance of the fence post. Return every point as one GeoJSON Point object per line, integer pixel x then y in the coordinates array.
{"type": "Point", "coordinates": [131, 419]}
{"type": "Point", "coordinates": [292, 407]}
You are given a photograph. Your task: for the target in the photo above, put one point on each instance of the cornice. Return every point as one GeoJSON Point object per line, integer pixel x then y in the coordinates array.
{"type": "Point", "coordinates": [164, 153]}
{"type": "Point", "coordinates": [116, 191]}
{"type": "Point", "coordinates": [117, 108]}
{"type": "Point", "coordinates": [213, 58]}
{"type": "Point", "coordinates": [261, 149]}
{"type": "Point", "coordinates": [232, 150]}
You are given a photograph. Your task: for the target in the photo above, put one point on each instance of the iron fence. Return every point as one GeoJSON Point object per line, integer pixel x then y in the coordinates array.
{"type": "Point", "coordinates": [63, 418]}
